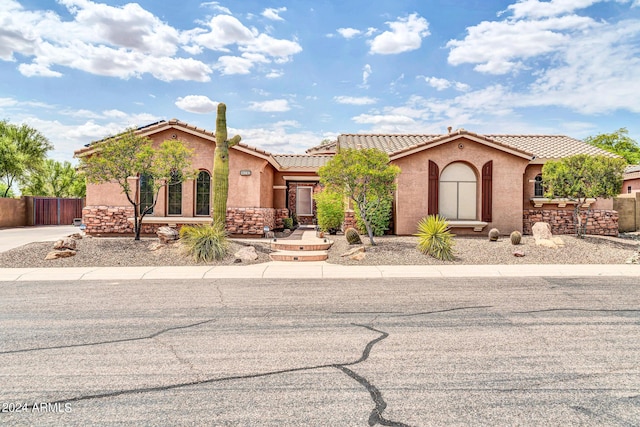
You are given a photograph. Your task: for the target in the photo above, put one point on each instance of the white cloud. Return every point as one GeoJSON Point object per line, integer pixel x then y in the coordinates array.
{"type": "Point", "coordinates": [274, 74]}
{"type": "Point", "coordinates": [216, 6]}
{"type": "Point", "coordinates": [348, 33]}
{"type": "Point", "coordinates": [273, 106]}
{"type": "Point", "coordinates": [274, 14]}
{"type": "Point", "coordinates": [501, 47]}
{"type": "Point", "coordinates": [439, 84]}
{"type": "Point", "coordinates": [538, 9]}
{"type": "Point", "coordinates": [196, 104]}
{"type": "Point", "coordinates": [353, 100]}
{"type": "Point", "coordinates": [442, 84]}
{"type": "Point", "coordinates": [406, 35]}
{"type": "Point", "coordinates": [128, 41]}
{"type": "Point", "coordinates": [366, 72]}
{"type": "Point", "coordinates": [234, 65]}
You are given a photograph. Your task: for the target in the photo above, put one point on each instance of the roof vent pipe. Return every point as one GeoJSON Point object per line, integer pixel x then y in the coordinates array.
{"type": "Point", "coordinates": [449, 128]}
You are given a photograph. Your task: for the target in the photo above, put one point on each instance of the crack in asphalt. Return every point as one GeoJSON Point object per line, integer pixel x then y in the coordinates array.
{"type": "Point", "coordinates": [442, 311]}
{"type": "Point", "coordinates": [147, 337]}
{"type": "Point", "coordinates": [375, 417]}
{"type": "Point", "coordinates": [596, 310]}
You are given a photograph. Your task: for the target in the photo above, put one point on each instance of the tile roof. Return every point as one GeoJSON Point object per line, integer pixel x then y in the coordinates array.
{"type": "Point", "coordinates": [328, 147]}
{"type": "Point", "coordinates": [541, 146]}
{"type": "Point", "coordinates": [290, 161]}
{"type": "Point", "coordinates": [632, 169]}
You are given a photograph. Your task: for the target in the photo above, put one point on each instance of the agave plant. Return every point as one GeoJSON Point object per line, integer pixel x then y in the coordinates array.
{"type": "Point", "coordinates": [205, 242]}
{"type": "Point", "coordinates": [435, 239]}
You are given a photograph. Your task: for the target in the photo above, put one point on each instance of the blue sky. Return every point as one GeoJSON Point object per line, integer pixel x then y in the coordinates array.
{"type": "Point", "coordinates": [293, 72]}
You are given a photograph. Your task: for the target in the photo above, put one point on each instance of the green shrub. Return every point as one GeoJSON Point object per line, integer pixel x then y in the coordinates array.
{"type": "Point", "coordinates": [329, 210]}
{"type": "Point", "coordinates": [379, 218]}
{"type": "Point", "coordinates": [516, 237]}
{"type": "Point", "coordinates": [435, 239]}
{"type": "Point", "coordinates": [287, 223]}
{"type": "Point", "coordinates": [205, 242]}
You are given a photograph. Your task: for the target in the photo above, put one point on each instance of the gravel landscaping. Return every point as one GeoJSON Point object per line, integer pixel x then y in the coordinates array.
{"type": "Point", "coordinates": [390, 250]}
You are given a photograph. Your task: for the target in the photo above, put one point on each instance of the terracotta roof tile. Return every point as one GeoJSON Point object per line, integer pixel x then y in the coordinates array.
{"type": "Point", "coordinates": [541, 146]}
{"type": "Point", "coordinates": [289, 161]}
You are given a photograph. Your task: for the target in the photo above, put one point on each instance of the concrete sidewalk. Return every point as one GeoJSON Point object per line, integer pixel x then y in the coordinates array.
{"type": "Point", "coordinates": [316, 270]}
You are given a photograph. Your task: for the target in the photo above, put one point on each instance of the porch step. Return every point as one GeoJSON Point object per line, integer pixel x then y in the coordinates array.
{"type": "Point", "coordinates": [284, 255]}
{"type": "Point", "coordinates": [300, 245]}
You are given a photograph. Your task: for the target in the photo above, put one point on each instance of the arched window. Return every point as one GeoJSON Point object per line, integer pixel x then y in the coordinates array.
{"type": "Point", "coordinates": [146, 193]}
{"type": "Point", "coordinates": [457, 192]}
{"type": "Point", "coordinates": [538, 189]}
{"type": "Point", "coordinates": [203, 193]}
{"type": "Point", "coordinates": [174, 195]}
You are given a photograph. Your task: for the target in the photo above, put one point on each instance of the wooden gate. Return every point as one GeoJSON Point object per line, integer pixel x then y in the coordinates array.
{"type": "Point", "coordinates": [55, 211]}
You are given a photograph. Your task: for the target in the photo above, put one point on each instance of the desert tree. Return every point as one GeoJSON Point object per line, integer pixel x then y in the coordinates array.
{"type": "Point", "coordinates": [365, 177]}
{"type": "Point", "coordinates": [581, 177]}
{"type": "Point", "coordinates": [23, 150]}
{"type": "Point", "coordinates": [618, 142]}
{"type": "Point", "coordinates": [55, 179]}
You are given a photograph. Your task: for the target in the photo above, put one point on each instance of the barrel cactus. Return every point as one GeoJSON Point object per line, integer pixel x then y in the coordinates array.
{"type": "Point", "coordinates": [494, 233]}
{"type": "Point", "coordinates": [352, 235]}
{"type": "Point", "coordinates": [516, 237]}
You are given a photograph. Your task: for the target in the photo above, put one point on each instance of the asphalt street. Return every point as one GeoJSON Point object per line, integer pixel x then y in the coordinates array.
{"type": "Point", "coordinates": [226, 352]}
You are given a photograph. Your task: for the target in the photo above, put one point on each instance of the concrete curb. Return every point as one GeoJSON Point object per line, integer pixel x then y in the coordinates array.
{"type": "Point", "coordinates": [315, 270]}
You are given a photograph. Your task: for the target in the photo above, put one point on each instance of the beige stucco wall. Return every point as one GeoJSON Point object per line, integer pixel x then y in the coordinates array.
{"type": "Point", "coordinates": [508, 170]}
{"type": "Point", "coordinates": [255, 190]}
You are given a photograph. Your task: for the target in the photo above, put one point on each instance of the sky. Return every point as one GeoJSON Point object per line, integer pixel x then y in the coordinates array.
{"type": "Point", "coordinates": [294, 73]}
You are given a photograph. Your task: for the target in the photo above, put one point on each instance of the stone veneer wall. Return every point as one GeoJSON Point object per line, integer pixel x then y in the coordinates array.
{"type": "Point", "coordinates": [349, 219]}
{"type": "Point", "coordinates": [599, 222]}
{"type": "Point", "coordinates": [251, 221]}
{"type": "Point", "coordinates": [111, 220]}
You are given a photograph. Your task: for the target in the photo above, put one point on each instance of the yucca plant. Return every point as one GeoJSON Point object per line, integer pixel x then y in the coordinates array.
{"type": "Point", "coordinates": [435, 239]}
{"type": "Point", "coordinates": [205, 242]}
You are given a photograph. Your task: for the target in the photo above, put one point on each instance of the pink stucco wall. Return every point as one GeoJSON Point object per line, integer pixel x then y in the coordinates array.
{"type": "Point", "coordinates": [254, 190]}
{"type": "Point", "coordinates": [508, 170]}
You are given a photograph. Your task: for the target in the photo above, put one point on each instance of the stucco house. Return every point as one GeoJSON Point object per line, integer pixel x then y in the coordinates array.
{"type": "Point", "coordinates": [631, 183]}
{"type": "Point", "coordinates": [477, 181]}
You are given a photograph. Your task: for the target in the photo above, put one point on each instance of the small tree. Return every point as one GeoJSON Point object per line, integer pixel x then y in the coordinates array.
{"type": "Point", "coordinates": [56, 179]}
{"type": "Point", "coordinates": [618, 142]}
{"type": "Point", "coordinates": [365, 176]}
{"type": "Point", "coordinates": [221, 166]}
{"type": "Point", "coordinates": [580, 177]}
{"type": "Point", "coordinates": [129, 155]}
{"type": "Point", "coordinates": [22, 151]}
{"type": "Point", "coordinates": [330, 210]}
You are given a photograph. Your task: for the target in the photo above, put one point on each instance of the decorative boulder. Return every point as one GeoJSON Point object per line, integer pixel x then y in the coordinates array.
{"type": "Point", "coordinates": [248, 253]}
{"type": "Point", "coordinates": [359, 256]}
{"type": "Point", "coordinates": [65, 244]}
{"type": "Point", "coordinates": [541, 230]}
{"type": "Point", "coordinates": [518, 254]}
{"type": "Point", "coordinates": [353, 251]}
{"type": "Point", "coordinates": [167, 234]}
{"type": "Point", "coordinates": [66, 253]}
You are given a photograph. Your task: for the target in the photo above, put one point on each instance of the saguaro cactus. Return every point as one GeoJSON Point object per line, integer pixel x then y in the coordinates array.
{"type": "Point", "coordinates": [221, 166]}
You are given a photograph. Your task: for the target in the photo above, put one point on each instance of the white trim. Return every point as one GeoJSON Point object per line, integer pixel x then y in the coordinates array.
{"type": "Point", "coordinates": [279, 187]}
{"type": "Point", "coordinates": [539, 201]}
